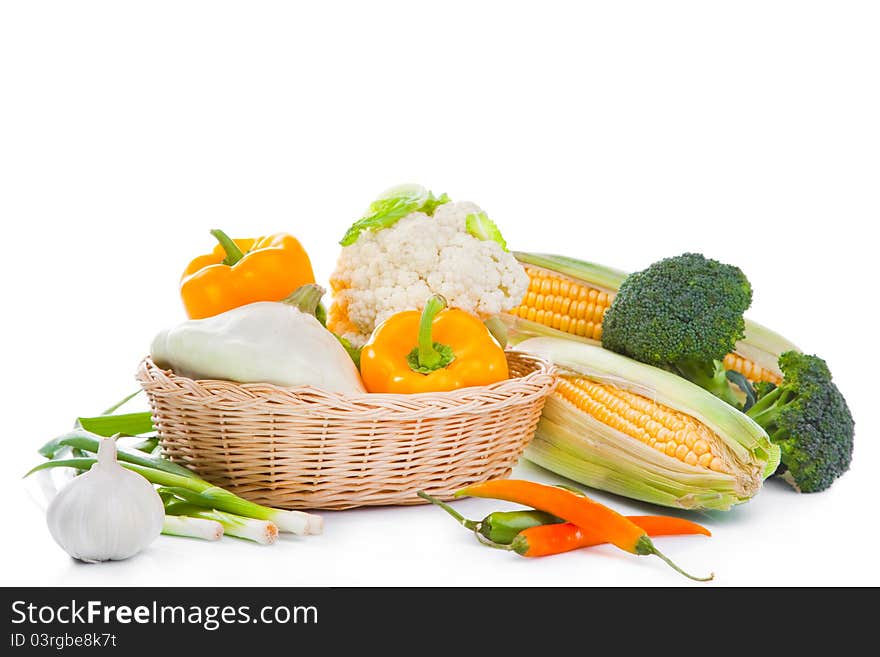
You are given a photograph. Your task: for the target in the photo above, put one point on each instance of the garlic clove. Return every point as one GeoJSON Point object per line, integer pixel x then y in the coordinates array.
{"type": "Point", "coordinates": [107, 513]}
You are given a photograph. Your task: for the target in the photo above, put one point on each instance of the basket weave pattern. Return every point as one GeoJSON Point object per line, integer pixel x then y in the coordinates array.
{"type": "Point", "coordinates": [307, 448]}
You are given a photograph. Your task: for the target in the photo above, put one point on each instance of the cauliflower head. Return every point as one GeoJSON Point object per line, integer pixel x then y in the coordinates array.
{"type": "Point", "coordinates": [458, 252]}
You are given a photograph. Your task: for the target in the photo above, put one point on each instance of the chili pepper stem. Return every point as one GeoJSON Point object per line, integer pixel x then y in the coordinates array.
{"type": "Point", "coordinates": [464, 522]}
{"type": "Point", "coordinates": [233, 252]}
{"type": "Point", "coordinates": [429, 355]}
{"type": "Point", "coordinates": [306, 298]}
{"type": "Point", "coordinates": [645, 547]}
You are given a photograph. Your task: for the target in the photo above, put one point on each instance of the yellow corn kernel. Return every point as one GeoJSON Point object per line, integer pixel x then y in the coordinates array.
{"type": "Point", "coordinates": [752, 371]}
{"type": "Point", "coordinates": [668, 431]}
{"type": "Point", "coordinates": [567, 305]}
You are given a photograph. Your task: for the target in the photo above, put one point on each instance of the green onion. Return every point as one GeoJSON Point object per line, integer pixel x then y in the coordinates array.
{"type": "Point", "coordinates": [263, 532]}
{"type": "Point", "coordinates": [294, 522]}
{"type": "Point", "coordinates": [121, 403]}
{"type": "Point", "coordinates": [148, 445]}
{"type": "Point", "coordinates": [208, 530]}
{"type": "Point", "coordinates": [85, 441]}
{"type": "Point", "coordinates": [208, 498]}
{"type": "Point", "coordinates": [131, 424]}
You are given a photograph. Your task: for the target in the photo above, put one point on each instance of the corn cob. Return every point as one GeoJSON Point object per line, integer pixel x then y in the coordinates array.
{"type": "Point", "coordinates": [571, 296]}
{"type": "Point", "coordinates": [639, 431]}
{"type": "Point", "coordinates": [655, 425]}
{"type": "Point", "coordinates": [564, 304]}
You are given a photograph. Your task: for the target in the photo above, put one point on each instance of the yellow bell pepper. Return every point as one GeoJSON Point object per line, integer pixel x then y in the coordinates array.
{"type": "Point", "coordinates": [432, 351]}
{"type": "Point", "coordinates": [244, 271]}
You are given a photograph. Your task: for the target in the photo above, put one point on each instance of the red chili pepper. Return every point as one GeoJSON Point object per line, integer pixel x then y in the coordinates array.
{"type": "Point", "coordinates": [579, 510]}
{"type": "Point", "coordinates": [544, 540]}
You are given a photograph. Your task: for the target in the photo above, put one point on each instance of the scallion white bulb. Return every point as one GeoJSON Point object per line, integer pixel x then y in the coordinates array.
{"type": "Point", "coordinates": [107, 513]}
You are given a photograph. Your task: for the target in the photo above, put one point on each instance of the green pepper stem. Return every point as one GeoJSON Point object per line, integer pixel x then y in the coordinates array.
{"type": "Point", "coordinates": [429, 357]}
{"type": "Point", "coordinates": [233, 252]}
{"type": "Point", "coordinates": [305, 298]}
{"type": "Point", "coordinates": [464, 522]}
{"type": "Point", "coordinates": [645, 546]}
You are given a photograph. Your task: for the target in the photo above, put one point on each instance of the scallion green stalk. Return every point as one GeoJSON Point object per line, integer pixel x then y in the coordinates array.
{"type": "Point", "coordinates": [86, 441]}
{"type": "Point", "coordinates": [147, 445]}
{"type": "Point", "coordinates": [129, 424]}
{"type": "Point", "coordinates": [294, 522]}
{"type": "Point", "coordinates": [122, 402]}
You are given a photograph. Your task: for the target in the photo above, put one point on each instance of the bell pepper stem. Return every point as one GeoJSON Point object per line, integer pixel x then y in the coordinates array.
{"type": "Point", "coordinates": [429, 356]}
{"type": "Point", "coordinates": [306, 298]}
{"type": "Point", "coordinates": [233, 252]}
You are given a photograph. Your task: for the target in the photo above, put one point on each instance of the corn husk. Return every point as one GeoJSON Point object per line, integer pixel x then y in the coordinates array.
{"type": "Point", "coordinates": [573, 444]}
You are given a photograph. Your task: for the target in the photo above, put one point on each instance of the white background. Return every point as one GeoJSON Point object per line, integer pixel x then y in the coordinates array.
{"type": "Point", "coordinates": [616, 132]}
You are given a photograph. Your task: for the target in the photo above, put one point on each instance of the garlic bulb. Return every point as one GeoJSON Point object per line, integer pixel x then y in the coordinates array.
{"type": "Point", "coordinates": [106, 513]}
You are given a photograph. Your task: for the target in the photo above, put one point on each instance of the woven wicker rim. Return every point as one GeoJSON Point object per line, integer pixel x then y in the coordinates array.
{"type": "Point", "coordinates": [509, 392]}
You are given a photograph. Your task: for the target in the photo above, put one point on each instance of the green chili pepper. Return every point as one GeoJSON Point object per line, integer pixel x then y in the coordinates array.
{"type": "Point", "coordinates": [501, 526]}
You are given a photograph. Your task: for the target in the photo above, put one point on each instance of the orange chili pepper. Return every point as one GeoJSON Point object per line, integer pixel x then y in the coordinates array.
{"type": "Point", "coordinates": [243, 271]}
{"type": "Point", "coordinates": [577, 509]}
{"type": "Point", "coordinates": [431, 351]}
{"type": "Point", "coordinates": [544, 540]}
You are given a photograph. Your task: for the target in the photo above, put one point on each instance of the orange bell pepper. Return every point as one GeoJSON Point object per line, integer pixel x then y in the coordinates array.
{"type": "Point", "coordinates": [402, 355]}
{"type": "Point", "coordinates": [243, 271]}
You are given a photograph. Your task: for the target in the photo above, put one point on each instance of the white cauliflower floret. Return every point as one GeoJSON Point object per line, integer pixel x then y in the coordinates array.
{"type": "Point", "coordinates": [400, 267]}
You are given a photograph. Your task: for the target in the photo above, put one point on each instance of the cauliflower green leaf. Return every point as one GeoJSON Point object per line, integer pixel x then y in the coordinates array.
{"type": "Point", "coordinates": [480, 226]}
{"type": "Point", "coordinates": [392, 206]}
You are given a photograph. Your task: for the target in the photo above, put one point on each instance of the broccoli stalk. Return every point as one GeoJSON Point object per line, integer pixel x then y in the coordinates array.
{"type": "Point", "coordinates": [683, 314]}
{"type": "Point", "coordinates": [808, 418]}
{"type": "Point", "coordinates": [709, 375]}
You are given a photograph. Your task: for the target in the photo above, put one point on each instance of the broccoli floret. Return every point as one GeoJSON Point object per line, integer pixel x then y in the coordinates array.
{"type": "Point", "coordinates": [684, 314]}
{"type": "Point", "coordinates": [807, 416]}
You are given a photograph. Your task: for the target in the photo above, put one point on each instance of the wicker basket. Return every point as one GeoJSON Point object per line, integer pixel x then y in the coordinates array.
{"type": "Point", "coordinates": [307, 448]}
